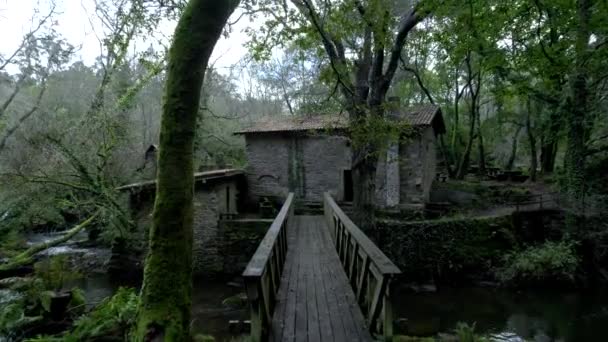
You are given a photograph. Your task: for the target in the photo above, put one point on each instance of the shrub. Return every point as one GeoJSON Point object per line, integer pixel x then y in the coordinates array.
{"type": "Point", "coordinates": [55, 272]}
{"type": "Point", "coordinates": [113, 317]}
{"type": "Point", "coordinates": [551, 261]}
{"type": "Point", "coordinates": [466, 333]}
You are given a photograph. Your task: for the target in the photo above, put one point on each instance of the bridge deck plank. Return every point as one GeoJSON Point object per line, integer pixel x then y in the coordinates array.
{"type": "Point", "coordinates": [315, 300]}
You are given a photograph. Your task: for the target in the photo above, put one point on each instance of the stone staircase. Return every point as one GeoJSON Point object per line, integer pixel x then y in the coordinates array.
{"type": "Point", "coordinates": [305, 207]}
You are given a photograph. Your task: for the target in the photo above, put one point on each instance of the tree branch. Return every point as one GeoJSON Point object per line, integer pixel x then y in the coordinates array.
{"type": "Point", "coordinates": [27, 257]}
{"type": "Point", "coordinates": [334, 49]}
{"type": "Point", "coordinates": [28, 36]}
{"type": "Point", "coordinates": [22, 119]}
{"type": "Point", "coordinates": [407, 23]}
{"type": "Point", "coordinates": [419, 80]}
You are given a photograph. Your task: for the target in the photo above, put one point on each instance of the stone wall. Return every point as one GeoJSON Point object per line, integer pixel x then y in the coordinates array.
{"type": "Point", "coordinates": [387, 178]}
{"type": "Point", "coordinates": [268, 165]}
{"type": "Point", "coordinates": [211, 198]}
{"type": "Point", "coordinates": [208, 204]}
{"type": "Point", "coordinates": [417, 167]}
{"type": "Point", "coordinates": [325, 158]}
{"type": "Point", "coordinates": [240, 238]}
{"type": "Point", "coordinates": [307, 164]}
{"type": "Point", "coordinates": [448, 249]}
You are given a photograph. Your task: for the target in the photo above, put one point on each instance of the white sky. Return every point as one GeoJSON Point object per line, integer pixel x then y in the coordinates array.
{"type": "Point", "coordinates": [75, 27]}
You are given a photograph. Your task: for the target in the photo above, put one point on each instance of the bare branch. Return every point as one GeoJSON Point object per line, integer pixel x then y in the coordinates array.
{"type": "Point", "coordinates": [334, 49]}
{"type": "Point", "coordinates": [407, 23]}
{"type": "Point", "coordinates": [13, 94]}
{"type": "Point", "coordinates": [28, 36]}
{"type": "Point", "coordinates": [419, 80]}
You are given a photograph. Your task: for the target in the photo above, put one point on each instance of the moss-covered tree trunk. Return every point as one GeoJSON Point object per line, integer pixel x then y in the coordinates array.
{"type": "Point", "coordinates": [531, 141]}
{"type": "Point", "coordinates": [511, 161]}
{"type": "Point", "coordinates": [575, 153]}
{"type": "Point", "coordinates": [164, 311]}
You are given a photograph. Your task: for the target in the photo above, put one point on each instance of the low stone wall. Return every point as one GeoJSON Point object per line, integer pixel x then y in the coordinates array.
{"type": "Point", "coordinates": [219, 250]}
{"type": "Point", "coordinates": [435, 249]}
{"type": "Point", "coordinates": [240, 238]}
{"type": "Point", "coordinates": [452, 249]}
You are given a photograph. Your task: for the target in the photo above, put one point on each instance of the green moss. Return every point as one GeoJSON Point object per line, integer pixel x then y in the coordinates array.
{"type": "Point", "coordinates": [164, 310]}
{"type": "Point", "coordinates": [203, 338]}
{"type": "Point", "coordinates": [437, 248]}
{"type": "Point", "coordinates": [401, 338]}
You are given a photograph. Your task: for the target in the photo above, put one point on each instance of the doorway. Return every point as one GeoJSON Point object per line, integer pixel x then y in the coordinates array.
{"type": "Point", "coordinates": [348, 185]}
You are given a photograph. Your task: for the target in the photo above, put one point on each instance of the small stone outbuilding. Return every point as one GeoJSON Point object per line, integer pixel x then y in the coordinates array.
{"type": "Point", "coordinates": [311, 155]}
{"type": "Point", "coordinates": [217, 195]}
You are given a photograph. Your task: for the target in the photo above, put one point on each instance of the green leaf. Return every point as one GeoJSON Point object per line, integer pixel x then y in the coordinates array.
{"type": "Point", "coordinates": [78, 298]}
{"type": "Point", "coordinates": [45, 300]}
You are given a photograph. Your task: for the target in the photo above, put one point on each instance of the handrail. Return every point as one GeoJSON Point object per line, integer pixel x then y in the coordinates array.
{"type": "Point", "coordinates": [369, 271]}
{"type": "Point", "coordinates": [535, 199]}
{"type": "Point", "coordinates": [263, 273]}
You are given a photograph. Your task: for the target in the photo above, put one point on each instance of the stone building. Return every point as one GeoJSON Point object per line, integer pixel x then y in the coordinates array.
{"type": "Point", "coordinates": [311, 155]}
{"type": "Point", "coordinates": [217, 195]}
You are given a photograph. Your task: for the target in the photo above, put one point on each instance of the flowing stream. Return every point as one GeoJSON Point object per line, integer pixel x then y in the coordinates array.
{"type": "Point", "coordinates": [506, 315]}
{"type": "Point", "coordinates": [209, 315]}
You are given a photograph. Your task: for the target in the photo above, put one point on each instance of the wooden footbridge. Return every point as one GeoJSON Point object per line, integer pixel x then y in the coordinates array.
{"type": "Point", "coordinates": [319, 278]}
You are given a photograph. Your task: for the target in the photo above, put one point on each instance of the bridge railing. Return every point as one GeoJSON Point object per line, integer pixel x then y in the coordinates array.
{"type": "Point", "coordinates": [370, 272]}
{"type": "Point", "coordinates": [542, 201]}
{"type": "Point", "coordinates": [263, 273]}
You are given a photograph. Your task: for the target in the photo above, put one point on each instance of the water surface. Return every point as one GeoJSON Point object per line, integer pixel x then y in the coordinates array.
{"type": "Point", "coordinates": [532, 315]}
{"type": "Point", "coordinates": [209, 315]}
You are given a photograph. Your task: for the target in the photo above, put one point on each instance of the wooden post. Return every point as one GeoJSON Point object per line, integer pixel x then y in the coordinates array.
{"type": "Point", "coordinates": [376, 304]}
{"type": "Point", "coordinates": [352, 269]}
{"type": "Point", "coordinates": [387, 323]}
{"type": "Point", "coordinates": [363, 278]}
{"type": "Point", "coordinates": [258, 316]}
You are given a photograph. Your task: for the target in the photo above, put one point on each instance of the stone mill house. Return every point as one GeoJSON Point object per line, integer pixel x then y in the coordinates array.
{"type": "Point", "coordinates": [311, 155]}
{"type": "Point", "coordinates": [306, 155]}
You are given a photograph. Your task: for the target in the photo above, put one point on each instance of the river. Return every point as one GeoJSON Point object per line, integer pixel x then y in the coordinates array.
{"type": "Point", "coordinates": [508, 315]}
{"type": "Point", "coordinates": [209, 315]}
{"type": "Point", "coordinates": [531, 315]}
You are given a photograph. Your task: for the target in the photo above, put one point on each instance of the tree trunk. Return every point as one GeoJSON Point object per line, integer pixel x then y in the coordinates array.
{"type": "Point", "coordinates": [548, 148]}
{"type": "Point", "coordinates": [165, 304]}
{"type": "Point", "coordinates": [456, 121]}
{"type": "Point", "coordinates": [482, 153]}
{"type": "Point", "coordinates": [548, 152]}
{"type": "Point", "coordinates": [549, 143]}
{"type": "Point", "coordinates": [446, 157]}
{"type": "Point", "coordinates": [463, 166]}
{"type": "Point", "coordinates": [511, 161]}
{"type": "Point", "coordinates": [575, 153]}
{"type": "Point", "coordinates": [364, 192]}
{"type": "Point", "coordinates": [532, 140]}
